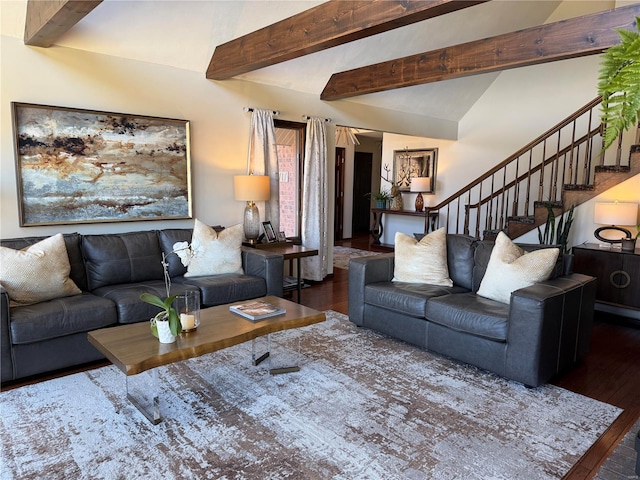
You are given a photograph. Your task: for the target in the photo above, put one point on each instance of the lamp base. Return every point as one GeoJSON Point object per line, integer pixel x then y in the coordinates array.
{"type": "Point", "coordinates": [251, 223]}
{"type": "Point", "coordinates": [611, 227]}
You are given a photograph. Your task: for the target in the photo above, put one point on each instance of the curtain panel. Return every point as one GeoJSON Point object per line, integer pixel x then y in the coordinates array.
{"type": "Point", "coordinates": [263, 160]}
{"type": "Point", "coordinates": [315, 201]}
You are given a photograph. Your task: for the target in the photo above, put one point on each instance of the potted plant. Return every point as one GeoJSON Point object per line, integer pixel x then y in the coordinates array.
{"type": "Point", "coordinates": [618, 85]}
{"type": "Point", "coordinates": [381, 198]}
{"type": "Point", "coordinates": [556, 235]}
{"type": "Point", "coordinates": [166, 324]}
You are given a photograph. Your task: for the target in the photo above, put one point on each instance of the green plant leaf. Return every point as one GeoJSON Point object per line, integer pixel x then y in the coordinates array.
{"type": "Point", "coordinates": [153, 300]}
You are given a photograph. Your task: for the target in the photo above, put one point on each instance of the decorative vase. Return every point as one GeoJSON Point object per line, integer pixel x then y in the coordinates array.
{"type": "Point", "coordinates": [381, 203]}
{"type": "Point", "coordinates": [164, 332]}
{"type": "Point", "coordinates": [188, 307]}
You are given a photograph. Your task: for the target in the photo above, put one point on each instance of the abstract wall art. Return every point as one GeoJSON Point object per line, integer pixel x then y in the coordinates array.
{"type": "Point", "coordinates": [85, 166]}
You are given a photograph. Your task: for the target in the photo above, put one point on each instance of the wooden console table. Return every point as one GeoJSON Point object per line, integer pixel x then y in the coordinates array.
{"type": "Point", "coordinates": [378, 228]}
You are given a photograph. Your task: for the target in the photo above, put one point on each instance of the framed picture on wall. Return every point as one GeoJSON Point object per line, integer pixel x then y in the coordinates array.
{"type": "Point", "coordinates": [408, 164]}
{"type": "Point", "coordinates": [87, 166]}
{"type": "Point", "coordinates": [269, 232]}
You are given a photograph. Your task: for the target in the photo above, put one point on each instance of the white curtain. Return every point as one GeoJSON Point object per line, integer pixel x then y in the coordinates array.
{"type": "Point", "coordinates": [315, 201]}
{"type": "Point", "coordinates": [263, 160]}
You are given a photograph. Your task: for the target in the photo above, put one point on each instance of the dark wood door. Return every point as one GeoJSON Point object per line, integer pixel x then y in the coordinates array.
{"type": "Point", "coordinates": [361, 187]}
{"type": "Point", "coordinates": [338, 227]}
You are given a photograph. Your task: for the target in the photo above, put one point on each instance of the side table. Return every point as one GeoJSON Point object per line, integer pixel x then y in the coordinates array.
{"type": "Point", "coordinates": [290, 252]}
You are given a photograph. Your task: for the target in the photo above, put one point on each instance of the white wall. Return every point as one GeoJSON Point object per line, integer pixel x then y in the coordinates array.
{"type": "Point", "coordinates": [67, 77]}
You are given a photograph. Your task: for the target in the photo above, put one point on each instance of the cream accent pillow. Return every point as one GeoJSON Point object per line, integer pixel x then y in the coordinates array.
{"type": "Point", "coordinates": [37, 273]}
{"type": "Point", "coordinates": [511, 268]}
{"type": "Point", "coordinates": [215, 253]}
{"type": "Point", "coordinates": [424, 261]}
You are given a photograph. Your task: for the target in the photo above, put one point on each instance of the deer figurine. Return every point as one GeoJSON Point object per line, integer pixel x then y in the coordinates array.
{"type": "Point", "coordinates": [396, 195]}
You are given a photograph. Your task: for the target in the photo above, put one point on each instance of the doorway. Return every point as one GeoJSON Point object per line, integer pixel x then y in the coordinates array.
{"type": "Point", "coordinates": [362, 168]}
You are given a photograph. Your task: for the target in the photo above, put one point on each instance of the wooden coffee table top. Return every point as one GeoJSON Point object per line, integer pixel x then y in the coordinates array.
{"type": "Point", "coordinates": [133, 349]}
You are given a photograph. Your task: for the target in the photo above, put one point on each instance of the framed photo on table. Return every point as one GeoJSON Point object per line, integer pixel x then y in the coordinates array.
{"type": "Point", "coordinates": [269, 232]}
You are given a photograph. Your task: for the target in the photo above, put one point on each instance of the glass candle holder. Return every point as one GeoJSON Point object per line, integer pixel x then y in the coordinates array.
{"type": "Point", "coordinates": [188, 307]}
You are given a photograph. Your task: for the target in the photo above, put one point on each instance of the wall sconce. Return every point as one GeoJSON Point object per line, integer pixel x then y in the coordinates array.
{"type": "Point", "coordinates": [613, 214]}
{"type": "Point", "coordinates": [420, 184]}
{"type": "Point", "coordinates": [251, 189]}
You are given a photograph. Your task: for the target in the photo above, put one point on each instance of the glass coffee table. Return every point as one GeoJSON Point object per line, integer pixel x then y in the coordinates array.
{"type": "Point", "coordinates": [134, 350]}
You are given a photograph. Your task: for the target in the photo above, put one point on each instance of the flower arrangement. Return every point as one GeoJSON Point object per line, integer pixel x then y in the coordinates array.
{"type": "Point", "coordinates": [168, 313]}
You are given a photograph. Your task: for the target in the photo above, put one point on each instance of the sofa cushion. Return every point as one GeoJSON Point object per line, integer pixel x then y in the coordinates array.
{"type": "Point", "coordinates": [168, 238]}
{"type": "Point", "coordinates": [470, 313]}
{"type": "Point", "coordinates": [214, 252]}
{"type": "Point", "coordinates": [118, 258]}
{"type": "Point", "coordinates": [226, 288]}
{"type": "Point", "coordinates": [482, 254]}
{"type": "Point", "coordinates": [406, 298]}
{"type": "Point", "coordinates": [126, 297]}
{"type": "Point", "coordinates": [72, 242]}
{"type": "Point", "coordinates": [460, 259]}
{"type": "Point", "coordinates": [61, 317]}
{"type": "Point", "coordinates": [511, 268]}
{"type": "Point", "coordinates": [38, 273]}
{"type": "Point", "coordinates": [423, 261]}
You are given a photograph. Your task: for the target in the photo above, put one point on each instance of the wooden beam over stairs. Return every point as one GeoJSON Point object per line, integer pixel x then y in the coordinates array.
{"type": "Point", "coordinates": [571, 38]}
{"type": "Point", "coordinates": [47, 20]}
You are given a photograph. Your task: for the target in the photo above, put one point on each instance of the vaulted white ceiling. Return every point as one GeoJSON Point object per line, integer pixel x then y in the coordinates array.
{"type": "Point", "coordinates": [183, 34]}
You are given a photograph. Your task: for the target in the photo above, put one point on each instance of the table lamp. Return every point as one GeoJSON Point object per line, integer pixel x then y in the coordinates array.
{"type": "Point", "coordinates": [251, 189]}
{"type": "Point", "coordinates": [612, 214]}
{"type": "Point", "coordinates": [420, 184]}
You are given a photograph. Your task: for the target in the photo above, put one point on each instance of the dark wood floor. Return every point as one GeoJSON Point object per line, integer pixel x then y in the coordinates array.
{"type": "Point", "coordinates": [610, 373]}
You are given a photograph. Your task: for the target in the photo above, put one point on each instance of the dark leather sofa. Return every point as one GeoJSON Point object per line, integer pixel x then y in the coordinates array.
{"type": "Point", "coordinates": [112, 271]}
{"type": "Point", "coordinates": [543, 331]}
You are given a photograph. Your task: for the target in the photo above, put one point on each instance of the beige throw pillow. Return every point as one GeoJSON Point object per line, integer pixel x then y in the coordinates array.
{"type": "Point", "coordinates": [511, 268]}
{"type": "Point", "coordinates": [37, 273]}
{"type": "Point", "coordinates": [215, 253]}
{"type": "Point", "coordinates": [424, 261]}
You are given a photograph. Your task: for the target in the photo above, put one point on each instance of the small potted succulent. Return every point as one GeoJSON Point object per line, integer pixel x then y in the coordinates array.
{"type": "Point", "coordinates": [381, 198]}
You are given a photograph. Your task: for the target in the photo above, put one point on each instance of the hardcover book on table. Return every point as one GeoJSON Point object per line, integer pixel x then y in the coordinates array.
{"type": "Point", "coordinates": [256, 310]}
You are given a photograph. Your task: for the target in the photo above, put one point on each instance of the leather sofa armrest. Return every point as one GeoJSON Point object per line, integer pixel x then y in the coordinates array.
{"type": "Point", "coordinates": [363, 271]}
{"type": "Point", "coordinates": [6, 363]}
{"type": "Point", "coordinates": [265, 264]}
{"type": "Point", "coordinates": [549, 326]}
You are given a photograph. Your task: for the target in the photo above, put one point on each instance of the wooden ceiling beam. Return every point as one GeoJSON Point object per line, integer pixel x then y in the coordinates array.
{"type": "Point", "coordinates": [47, 20]}
{"type": "Point", "coordinates": [571, 38]}
{"type": "Point", "coordinates": [327, 25]}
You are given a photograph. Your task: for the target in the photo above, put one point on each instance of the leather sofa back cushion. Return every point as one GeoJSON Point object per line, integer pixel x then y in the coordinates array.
{"type": "Point", "coordinates": [460, 258]}
{"type": "Point", "coordinates": [122, 258]}
{"type": "Point", "coordinates": [168, 237]}
{"type": "Point", "coordinates": [72, 242]}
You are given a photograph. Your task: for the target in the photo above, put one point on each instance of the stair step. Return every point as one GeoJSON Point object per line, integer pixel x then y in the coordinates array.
{"type": "Point", "coordinates": [578, 188]}
{"type": "Point", "coordinates": [554, 204]}
{"type": "Point", "coordinates": [613, 168]}
{"type": "Point", "coordinates": [492, 234]}
{"type": "Point", "coordinates": [523, 219]}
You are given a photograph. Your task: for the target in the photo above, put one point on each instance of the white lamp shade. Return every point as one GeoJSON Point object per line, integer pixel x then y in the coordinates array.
{"type": "Point", "coordinates": [616, 213]}
{"type": "Point", "coordinates": [420, 184]}
{"type": "Point", "coordinates": [251, 188]}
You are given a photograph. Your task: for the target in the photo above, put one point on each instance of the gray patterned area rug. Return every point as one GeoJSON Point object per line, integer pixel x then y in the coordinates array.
{"type": "Point", "coordinates": [362, 407]}
{"type": "Point", "coordinates": [342, 255]}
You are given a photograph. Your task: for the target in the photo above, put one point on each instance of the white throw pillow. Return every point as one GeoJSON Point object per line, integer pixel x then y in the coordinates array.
{"type": "Point", "coordinates": [37, 273]}
{"type": "Point", "coordinates": [215, 253]}
{"type": "Point", "coordinates": [511, 268]}
{"type": "Point", "coordinates": [424, 261]}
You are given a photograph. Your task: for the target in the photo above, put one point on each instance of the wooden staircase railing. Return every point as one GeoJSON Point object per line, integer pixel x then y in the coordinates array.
{"type": "Point", "coordinates": [563, 158]}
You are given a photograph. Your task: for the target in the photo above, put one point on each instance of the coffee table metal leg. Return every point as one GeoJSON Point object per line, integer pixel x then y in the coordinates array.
{"type": "Point", "coordinates": [256, 358]}
{"type": "Point", "coordinates": [144, 393]}
{"type": "Point", "coordinates": [290, 368]}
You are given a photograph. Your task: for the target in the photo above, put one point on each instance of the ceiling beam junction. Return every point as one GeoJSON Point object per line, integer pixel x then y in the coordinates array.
{"type": "Point", "coordinates": [571, 38]}
{"type": "Point", "coordinates": [327, 25]}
